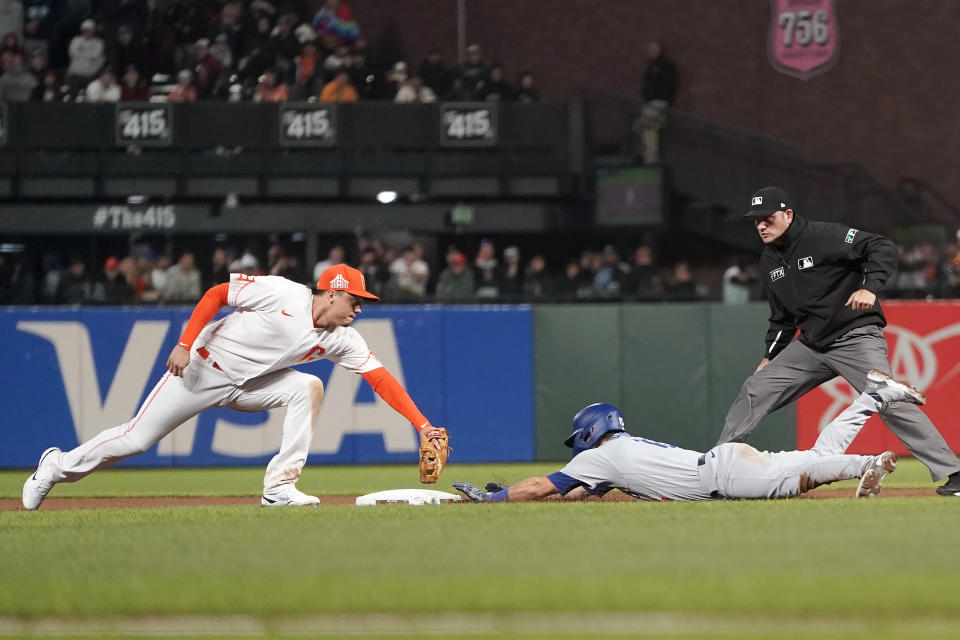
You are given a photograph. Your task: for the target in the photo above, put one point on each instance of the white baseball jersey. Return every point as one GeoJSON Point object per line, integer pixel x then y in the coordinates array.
{"type": "Point", "coordinates": [272, 329]}
{"type": "Point", "coordinates": [643, 468]}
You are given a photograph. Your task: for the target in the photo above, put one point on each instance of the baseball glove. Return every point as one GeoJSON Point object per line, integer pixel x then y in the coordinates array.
{"type": "Point", "coordinates": [433, 456]}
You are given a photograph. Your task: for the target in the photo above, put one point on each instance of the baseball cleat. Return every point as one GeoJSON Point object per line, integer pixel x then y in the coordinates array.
{"type": "Point", "coordinates": [38, 485]}
{"type": "Point", "coordinates": [875, 471]}
{"type": "Point", "coordinates": [288, 496]}
{"type": "Point", "coordinates": [952, 486]}
{"type": "Point", "coordinates": [884, 389]}
{"type": "Point", "coordinates": [476, 494]}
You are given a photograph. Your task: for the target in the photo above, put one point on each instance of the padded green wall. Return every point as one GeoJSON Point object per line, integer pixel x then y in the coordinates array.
{"type": "Point", "coordinates": [673, 369]}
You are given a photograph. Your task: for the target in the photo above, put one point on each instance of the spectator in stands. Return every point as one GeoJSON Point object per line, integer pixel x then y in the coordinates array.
{"type": "Point", "coordinates": [456, 280]}
{"type": "Point", "coordinates": [86, 56]}
{"type": "Point", "coordinates": [40, 16]}
{"type": "Point", "coordinates": [113, 288]}
{"type": "Point", "coordinates": [409, 274]}
{"type": "Point", "coordinates": [308, 65]}
{"type": "Point", "coordinates": [413, 90]}
{"type": "Point", "coordinates": [660, 82]}
{"type": "Point", "coordinates": [680, 284]}
{"type": "Point", "coordinates": [16, 83]}
{"type": "Point", "coordinates": [184, 91]}
{"type": "Point", "coordinates": [537, 283]}
{"type": "Point", "coordinates": [183, 280]}
{"type": "Point", "coordinates": [395, 79]}
{"type": "Point", "coordinates": [373, 270]}
{"type": "Point", "coordinates": [220, 49]}
{"type": "Point", "coordinates": [333, 62]}
{"type": "Point", "coordinates": [268, 90]}
{"type": "Point", "coordinates": [127, 51]}
{"type": "Point", "coordinates": [458, 93]}
{"type": "Point", "coordinates": [49, 90]}
{"type": "Point", "coordinates": [132, 87]}
{"type": "Point", "coordinates": [10, 44]}
{"type": "Point", "coordinates": [737, 283]}
{"type": "Point", "coordinates": [158, 275]}
{"type": "Point", "coordinates": [571, 284]}
{"type": "Point", "coordinates": [496, 88]}
{"type": "Point", "coordinates": [950, 270]}
{"type": "Point", "coordinates": [511, 275]}
{"type": "Point", "coordinates": [334, 256]}
{"type": "Point", "coordinates": [75, 286]}
{"type": "Point", "coordinates": [246, 264]}
{"type": "Point", "coordinates": [473, 72]}
{"type": "Point", "coordinates": [38, 66]}
{"type": "Point", "coordinates": [283, 44]}
{"type": "Point", "coordinates": [206, 69]}
{"type": "Point", "coordinates": [486, 270]}
{"type": "Point", "coordinates": [104, 88]}
{"type": "Point", "coordinates": [231, 24]}
{"type": "Point", "coordinates": [643, 281]}
{"type": "Point", "coordinates": [611, 274]}
{"type": "Point", "coordinates": [219, 268]}
{"type": "Point", "coordinates": [435, 73]}
{"type": "Point", "coordinates": [362, 74]}
{"type": "Point", "coordinates": [339, 89]}
{"type": "Point", "coordinates": [527, 92]}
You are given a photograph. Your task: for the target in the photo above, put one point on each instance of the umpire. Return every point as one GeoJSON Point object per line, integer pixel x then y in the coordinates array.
{"type": "Point", "coordinates": [822, 278]}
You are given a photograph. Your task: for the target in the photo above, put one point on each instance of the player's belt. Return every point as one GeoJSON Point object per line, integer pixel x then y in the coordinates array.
{"type": "Point", "coordinates": [203, 353]}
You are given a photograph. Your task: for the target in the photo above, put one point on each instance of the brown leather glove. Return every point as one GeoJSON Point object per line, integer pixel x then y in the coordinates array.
{"type": "Point", "coordinates": [434, 449]}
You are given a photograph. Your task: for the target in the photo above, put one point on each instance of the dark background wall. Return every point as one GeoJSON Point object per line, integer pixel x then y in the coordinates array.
{"type": "Point", "coordinates": [889, 103]}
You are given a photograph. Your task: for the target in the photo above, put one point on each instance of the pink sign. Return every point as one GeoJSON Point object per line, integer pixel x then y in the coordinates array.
{"type": "Point", "coordinates": [804, 37]}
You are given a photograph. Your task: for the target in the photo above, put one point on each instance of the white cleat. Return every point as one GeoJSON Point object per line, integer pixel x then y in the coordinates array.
{"type": "Point", "coordinates": [288, 496]}
{"type": "Point", "coordinates": [37, 486]}
{"type": "Point", "coordinates": [884, 388]}
{"type": "Point", "coordinates": [874, 473]}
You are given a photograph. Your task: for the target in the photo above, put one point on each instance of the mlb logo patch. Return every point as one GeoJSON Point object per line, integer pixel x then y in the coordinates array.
{"type": "Point", "coordinates": [776, 274]}
{"type": "Point", "coordinates": [757, 200]}
{"type": "Point", "coordinates": [805, 263]}
{"type": "Point", "coordinates": [850, 234]}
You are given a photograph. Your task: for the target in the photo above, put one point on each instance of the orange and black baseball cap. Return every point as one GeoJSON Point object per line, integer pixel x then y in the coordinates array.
{"type": "Point", "coordinates": [340, 277]}
{"type": "Point", "coordinates": [767, 201]}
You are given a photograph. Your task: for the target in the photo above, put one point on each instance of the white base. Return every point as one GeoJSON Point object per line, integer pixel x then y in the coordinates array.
{"type": "Point", "coordinates": [408, 496]}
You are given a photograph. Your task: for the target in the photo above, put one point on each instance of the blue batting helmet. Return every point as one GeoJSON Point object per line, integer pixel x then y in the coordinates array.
{"type": "Point", "coordinates": [591, 424]}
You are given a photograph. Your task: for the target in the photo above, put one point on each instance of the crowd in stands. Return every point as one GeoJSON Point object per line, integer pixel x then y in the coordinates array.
{"type": "Point", "coordinates": [470, 270]}
{"type": "Point", "coordinates": [256, 50]}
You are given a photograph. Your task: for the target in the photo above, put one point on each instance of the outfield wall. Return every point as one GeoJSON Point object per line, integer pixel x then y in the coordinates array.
{"type": "Point", "coordinates": [505, 379]}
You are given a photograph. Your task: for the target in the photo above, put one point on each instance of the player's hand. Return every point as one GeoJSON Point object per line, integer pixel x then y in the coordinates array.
{"type": "Point", "coordinates": [476, 494]}
{"type": "Point", "coordinates": [493, 487]}
{"type": "Point", "coordinates": [861, 300]}
{"type": "Point", "coordinates": [762, 364]}
{"type": "Point", "coordinates": [178, 360]}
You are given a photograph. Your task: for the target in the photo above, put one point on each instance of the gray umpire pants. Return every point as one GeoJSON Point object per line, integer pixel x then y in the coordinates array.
{"type": "Point", "coordinates": [799, 369]}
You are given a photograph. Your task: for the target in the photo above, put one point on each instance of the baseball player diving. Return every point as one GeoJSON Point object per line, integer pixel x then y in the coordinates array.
{"type": "Point", "coordinates": [243, 362]}
{"type": "Point", "coordinates": [823, 278]}
{"type": "Point", "coordinates": [606, 457]}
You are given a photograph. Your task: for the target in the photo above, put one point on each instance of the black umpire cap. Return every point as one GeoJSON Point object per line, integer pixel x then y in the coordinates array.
{"type": "Point", "coordinates": [768, 200]}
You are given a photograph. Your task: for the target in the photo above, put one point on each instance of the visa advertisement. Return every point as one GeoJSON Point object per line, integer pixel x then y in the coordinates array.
{"type": "Point", "coordinates": [67, 374]}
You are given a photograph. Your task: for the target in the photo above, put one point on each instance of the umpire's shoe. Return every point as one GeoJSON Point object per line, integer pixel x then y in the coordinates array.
{"type": "Point", "coordinates": [37, 486]}
{"type": "Point", "coordinates": [874, 473]}
{"type": "Point", "coordinates": [952, 487]}
{"type": "Point", "coordinates": [288, 496]}
{"type": "Point", "coordinates": [884, 389]}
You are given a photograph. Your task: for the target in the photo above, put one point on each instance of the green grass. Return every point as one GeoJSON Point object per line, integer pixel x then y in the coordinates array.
{"type": "Point", "coordinates": [806, 567]}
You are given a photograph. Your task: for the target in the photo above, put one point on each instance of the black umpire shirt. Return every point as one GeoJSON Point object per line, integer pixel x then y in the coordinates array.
{"type": "Point", "coordinates": [811, 274]}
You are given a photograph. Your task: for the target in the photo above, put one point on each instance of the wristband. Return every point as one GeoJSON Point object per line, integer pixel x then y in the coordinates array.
{"type": "Point", "coordinates": [499, 496]}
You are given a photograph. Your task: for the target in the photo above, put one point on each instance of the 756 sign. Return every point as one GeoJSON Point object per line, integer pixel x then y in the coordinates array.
{"type": "Point", "coordinates": [803, 37]}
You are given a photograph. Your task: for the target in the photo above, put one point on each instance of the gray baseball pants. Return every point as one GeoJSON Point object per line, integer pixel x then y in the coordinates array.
{"type": "Point", "coordinates": [799, 369]}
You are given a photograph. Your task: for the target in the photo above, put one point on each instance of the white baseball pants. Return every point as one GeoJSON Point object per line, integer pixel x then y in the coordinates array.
{"type": "Point", "coordinates": [740, 471]}
{"type": "Point", "coordinates": [175, 400]}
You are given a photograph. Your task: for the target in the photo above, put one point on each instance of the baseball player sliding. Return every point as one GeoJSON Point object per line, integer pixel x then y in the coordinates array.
{"type": "Point", "coordinates": [243, 362]}
{"type": "Point", "coordinates": [606, 457]}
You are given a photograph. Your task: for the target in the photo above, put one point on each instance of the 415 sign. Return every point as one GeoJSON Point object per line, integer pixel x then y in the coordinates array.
{"type": "Point", "coordinates": [308, 125]}
{"type": "Point", "coordinates": [144, 124]}
{"type": "Point", "coordinates": [468, 124]}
